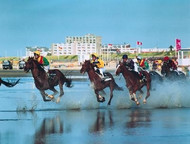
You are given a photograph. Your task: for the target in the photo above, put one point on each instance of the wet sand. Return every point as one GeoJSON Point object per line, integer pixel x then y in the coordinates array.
{"type": "Point", "coordinates": [21, 73]}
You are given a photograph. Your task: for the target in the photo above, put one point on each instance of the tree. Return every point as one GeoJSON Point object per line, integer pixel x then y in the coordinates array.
{"type": "Point", "coordinates": [171, 48]}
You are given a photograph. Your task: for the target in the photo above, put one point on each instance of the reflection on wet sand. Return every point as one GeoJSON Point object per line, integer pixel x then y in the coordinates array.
{"type": "Point", "coordinates": [139, 118]}
{"type": "Point", "coordinates": [100, 124]}
{"type": "Point", "coordinates": [48, 126]}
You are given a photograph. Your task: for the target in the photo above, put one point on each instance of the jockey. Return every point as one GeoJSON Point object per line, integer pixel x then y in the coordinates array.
{"type": "Point", "coordinates": [170, 63]}
{"type": "Point", "coordinates": [99, 64]}
{"type": "Point", "coordinates": [42, 60]}
{"type": "Point", "coordinates": [142, 63]}
{"type": "Point", "coordinates": [127, 62]}
{"type": "Point", "coordinates": [142, 66]}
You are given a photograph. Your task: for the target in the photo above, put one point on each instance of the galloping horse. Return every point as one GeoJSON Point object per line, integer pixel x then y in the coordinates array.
{"type": "Point", "coordinates": [88, 67]}
{"type": "Point", "coordinates": [133, 82]}
{"type": "Point", "coordinates": [8, 84]}
{"type": "Point", "coordinates": [42, 81]}
{"type": "Point", "coordinates": [172, 74]}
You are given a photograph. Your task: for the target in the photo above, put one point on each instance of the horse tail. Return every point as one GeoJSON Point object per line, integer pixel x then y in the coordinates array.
{"type": "Point", "coordinates": [68, 82]}
{"type": "Point", "coordinates": [8, 84]}
{"type": "Point", "coordinates": [116, 87]}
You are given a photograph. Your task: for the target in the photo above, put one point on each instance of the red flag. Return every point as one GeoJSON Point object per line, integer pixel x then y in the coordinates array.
{"type": "Point", "coordinates": [139, 43]}
{"type": "Point", "coordinates": [178, 44]}
{"type": "Point", "coordinates": [109, 44]}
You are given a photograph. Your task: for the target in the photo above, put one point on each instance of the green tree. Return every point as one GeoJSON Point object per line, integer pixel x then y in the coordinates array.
{"type": "Point", "coordinates": [171, 48]}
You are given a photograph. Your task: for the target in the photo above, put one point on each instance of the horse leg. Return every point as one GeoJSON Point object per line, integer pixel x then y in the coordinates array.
{"type": "Point", "coordinates": [148, 93]}
{"type": "Point", "coordinates": [44, 95]}
{"type": "Point", "coordinates": [61, 92]}
{"type": "Point", "coordinates": [99, 97]}
{"type": "Point", "coordinates": [54, 91]}
{"type": "Point", "coordinates": [141, 94]}
{"type": "Point", "coordinates": [137, 102]}
{"type": "Point", "coordinates": [111, 94]}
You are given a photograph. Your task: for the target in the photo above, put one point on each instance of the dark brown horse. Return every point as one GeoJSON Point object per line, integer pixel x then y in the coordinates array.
{"type": "Point", "coordinates": [43, 82]}
{"type": "Point", "coordinates": [172, 74]}
{"type": "Point", "coordinates": [8, 84]}
{"type": "Point", "coordinates": [133, 82]}
{"type": "Point", "coordinates": [95, 79]}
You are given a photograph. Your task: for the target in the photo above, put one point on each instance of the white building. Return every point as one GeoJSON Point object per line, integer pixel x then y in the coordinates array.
{"type": "Point", "coordinates": [147, 50]}
{"type": "Point", "coordinates": [78, 45]}
{"type": "Point", "coordinates": [43, 51]}
{"type": "Point", "coordinates": [183, 57]}
{"type": "Point", "coordinates": [82, 46]}
{"type": "Point", "coordinates": [118, 48]}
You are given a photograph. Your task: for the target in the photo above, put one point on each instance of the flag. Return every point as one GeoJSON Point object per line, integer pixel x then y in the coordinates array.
{"type": "Point", "coordinates": [139, 43]}
{"type": "Point", "coordinates": [109, 44]}
{"type": "Point", "coordinates": [178, 44]}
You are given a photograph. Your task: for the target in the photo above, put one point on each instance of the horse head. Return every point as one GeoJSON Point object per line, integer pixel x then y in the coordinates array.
{"type": "Point", "coordinates": [119, 68]}
{"type": "Point", "coordinates": [86, 66]}
{"type": "Point", "coordinates": [29, 64]}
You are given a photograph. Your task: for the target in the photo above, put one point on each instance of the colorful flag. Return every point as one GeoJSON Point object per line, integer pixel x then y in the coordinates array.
{"type": "Point", "coordinates": [139, 43]}
{"type": "Point", "coordinates": [178, 44]}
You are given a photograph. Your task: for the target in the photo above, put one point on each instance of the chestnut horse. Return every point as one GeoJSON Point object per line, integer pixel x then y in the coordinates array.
{"type": "Point", "coordinates": [8, 84]}
{"type": "Point", "coordinates": [43, 82]}
{"type": "Point", "coordinates": [95, 79]}
{"type": "Point", "coordinates": [133, 82]}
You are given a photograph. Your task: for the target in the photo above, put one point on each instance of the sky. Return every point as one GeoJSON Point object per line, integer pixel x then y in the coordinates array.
{"type": "Point", "coordinates": [155, 23]}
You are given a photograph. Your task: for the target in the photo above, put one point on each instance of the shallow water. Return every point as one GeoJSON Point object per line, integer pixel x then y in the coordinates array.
{"type": "Point", "coordinates": [79, 118]}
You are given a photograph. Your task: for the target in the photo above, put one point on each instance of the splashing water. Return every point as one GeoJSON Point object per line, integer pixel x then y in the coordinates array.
{"type": "Point", "coordinates": [25, 97]}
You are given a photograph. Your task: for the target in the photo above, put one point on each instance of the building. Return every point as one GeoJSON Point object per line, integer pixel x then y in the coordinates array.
{"type": "Point", "coordinates": [78, 45]}
{"type": "Point", "coordinates": [118, 48]}
{"type": "Point", "coordinates": [147, 50]}
{"type": "Point", "coordinates": [43, 51]}
{"type": "Point", "coordinates": [183, 57]}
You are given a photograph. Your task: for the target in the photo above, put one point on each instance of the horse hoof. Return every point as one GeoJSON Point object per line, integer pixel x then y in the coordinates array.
{"type": "Point", "coordinates": [144, 101]}
{"type": "Point", "coordinates": [58, 100]}
{"type": "Point", "coordinates": [137, 103]}
{"type": "Point", "coordinates": [51, 96]}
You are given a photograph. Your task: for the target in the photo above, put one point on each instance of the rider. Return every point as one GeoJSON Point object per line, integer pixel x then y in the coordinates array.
{"type": "Point", "coordinates": [127, 62]}
{"type": "Point", "coordinates": [42, 60]}
{"type": "Point", "coordinates": [99, 64]}
{"type": "Point", "coordinates": [170, 63]}
{"type": "Point", "coordinates": [143, 65]}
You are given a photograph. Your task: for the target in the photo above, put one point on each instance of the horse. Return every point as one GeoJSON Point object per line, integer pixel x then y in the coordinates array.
{"type": "Point", "coordinates": [155, 76]}
{"type": "Point", "coordinates": [134, 83]}
{"type": "Point", "coordinates": [8, 84]}
{"type": "Point", "coordinates": [44, 82]}
{"type": "Point", "coordinates": [99, 85]}
{"type": "Point", "coordinates": [172, 74]}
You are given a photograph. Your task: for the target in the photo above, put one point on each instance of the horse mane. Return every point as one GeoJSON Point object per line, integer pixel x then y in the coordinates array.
{"type": "Point", "coordinates": [88, 62]}
{"type": "Point", "coordinates": [132, 72]}
{"type": "Point", "coordinates": [39, 66]}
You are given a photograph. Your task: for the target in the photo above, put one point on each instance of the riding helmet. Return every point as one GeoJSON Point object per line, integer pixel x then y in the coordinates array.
{"type": "Point", "coordinates": [125, 56]}
{"type": "Point", "coordinates": [139, 57]}
{"type": "Point", "coordinates": [37, 52]}
{"type": "Point", "coordinates": [166, 58]}
{"type": "Point", "coordinates": [94, 54]}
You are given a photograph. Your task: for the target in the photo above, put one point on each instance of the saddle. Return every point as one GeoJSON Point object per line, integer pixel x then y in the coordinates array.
{"type": "Point", "coordinates": [140, 75]}
{"type": "Point", "coordinates": [105, 78]}
{"type": "Point", "coordinates": [51, 74]}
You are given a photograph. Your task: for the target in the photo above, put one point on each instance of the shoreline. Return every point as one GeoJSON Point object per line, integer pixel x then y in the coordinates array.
{"type": "Point", "coordinates": [21, 73]}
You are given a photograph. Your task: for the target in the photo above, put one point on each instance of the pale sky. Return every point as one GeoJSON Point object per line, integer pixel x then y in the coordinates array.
{"type": "Point", "coordinates": [156, 23]}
